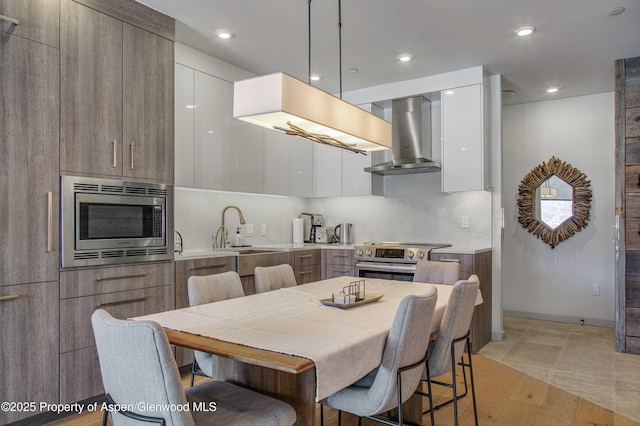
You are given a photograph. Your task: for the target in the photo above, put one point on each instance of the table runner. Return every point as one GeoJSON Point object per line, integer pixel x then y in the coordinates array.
{"type": "Point", "coordinates": [344, 344]}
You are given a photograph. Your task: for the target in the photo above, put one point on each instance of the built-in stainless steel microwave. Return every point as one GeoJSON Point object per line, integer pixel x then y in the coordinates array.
{"type": "Point", "coordinates": [107, 221]}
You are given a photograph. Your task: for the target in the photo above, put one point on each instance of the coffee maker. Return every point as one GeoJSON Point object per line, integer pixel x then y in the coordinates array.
{"type": "Point", "coordinates": [311, 222]}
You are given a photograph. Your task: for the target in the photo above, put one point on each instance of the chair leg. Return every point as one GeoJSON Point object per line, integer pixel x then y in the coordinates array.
{"type": "Point", "coordinates": [321, 415]}
{"type": "Point", "coordinates": [339, 417]}
{"type": "Point", "coordinates": [105, 417]}
{"type": "Point", "coordinates": [193, 371]}
{"type": "Point", "coordinates": [433, 421]}
{"type": "Point", "coordinates": [473, 388]}
{"type": "Point", "coordinates": [454, 383]}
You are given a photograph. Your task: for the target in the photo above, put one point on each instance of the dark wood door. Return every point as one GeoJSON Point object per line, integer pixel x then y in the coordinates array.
{"type": "Point", "coordinates": [148, 68]}
{"type": "Point", "coordinates": [90, 91]}
{"type": "Point", "coordinates": [28, 161]}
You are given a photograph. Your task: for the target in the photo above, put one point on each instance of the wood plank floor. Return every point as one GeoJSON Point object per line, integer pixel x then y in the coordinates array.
{"type": "Point", "coordinates": [505, 397]}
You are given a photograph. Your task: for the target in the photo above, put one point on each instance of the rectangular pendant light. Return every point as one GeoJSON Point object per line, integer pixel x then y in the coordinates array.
{"type": "Point", "coordinates": [274, 100]}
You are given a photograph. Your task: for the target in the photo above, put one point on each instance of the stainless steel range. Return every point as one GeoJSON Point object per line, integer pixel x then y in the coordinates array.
{"type": "Point", "coordinates": [391, 260]}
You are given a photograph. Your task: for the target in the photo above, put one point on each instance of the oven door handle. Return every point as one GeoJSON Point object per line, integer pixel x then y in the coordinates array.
{"type": "Point", "coordinates": [386, 267]}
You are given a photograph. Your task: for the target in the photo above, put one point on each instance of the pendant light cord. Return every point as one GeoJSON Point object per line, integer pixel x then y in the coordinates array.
{"type": "Point", "coordinates": [340, 43]}
{"type": "Point", "coordinates": [309, 41]}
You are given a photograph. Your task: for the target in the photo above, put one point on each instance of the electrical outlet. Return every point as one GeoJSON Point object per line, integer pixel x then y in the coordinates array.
{"type": "Point", "coordinates": [263, 229]}
{"type": "Point", "coordinates": [595, 291]}
{"type": "Point", "coordinates": [465, 221]}
{"type": "Point", "coordinates": [248, 230]}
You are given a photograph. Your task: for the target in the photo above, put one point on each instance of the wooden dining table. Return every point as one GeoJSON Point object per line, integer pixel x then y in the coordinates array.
{"type": "Point", "coordinates": [289, 345]}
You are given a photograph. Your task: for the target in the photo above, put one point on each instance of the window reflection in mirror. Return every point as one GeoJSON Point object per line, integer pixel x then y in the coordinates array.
{"type": "Point", "coordinates": [554, 202]}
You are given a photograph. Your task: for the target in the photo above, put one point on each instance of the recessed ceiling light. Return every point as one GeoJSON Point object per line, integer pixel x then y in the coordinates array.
{"type": "Point", "coordinates": [525, 31]}
{"type": "Point", "coordinates": [354, 70]}
{"type": "Point", "coordinates": [225, 34]}
{"type": "Point", "coordinates": [449, 92]}
{"type": "Point", "coordinates": [315, 77]}
{"type": "Point", "coordinates": [552, 90]}
{"type": "Point", "coordinates": [405, 57]}
{"type": "Point", "coordinates": [191, 106]}
{"type": "Point", "coordinates": [617, 11]}
{"type": "Point", "coordinates": [508, 92]}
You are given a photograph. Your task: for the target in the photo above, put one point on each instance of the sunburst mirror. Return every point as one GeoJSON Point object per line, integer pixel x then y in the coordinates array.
{"type": "Point", "coordinates": [554, 201]}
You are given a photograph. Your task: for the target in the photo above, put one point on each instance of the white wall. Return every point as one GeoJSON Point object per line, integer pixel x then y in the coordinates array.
{"type": "Point", "coordinates": [539, 282]}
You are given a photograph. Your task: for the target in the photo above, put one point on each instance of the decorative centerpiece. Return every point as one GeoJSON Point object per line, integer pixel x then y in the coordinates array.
{"type": "Point", "coordinates": [352, 295]}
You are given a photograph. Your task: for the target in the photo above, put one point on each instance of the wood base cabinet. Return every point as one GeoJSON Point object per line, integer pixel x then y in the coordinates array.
{"type": "Point", "coordinates": [307, 266]}
{"type": "Point", "coordinates": [123, 291]}
{"type": "Point", "coordinates": [479, 264]}
{"type": "Point", "coordinates": [29, 342]}
{"type": "Point", "coordinates": [337, 263]}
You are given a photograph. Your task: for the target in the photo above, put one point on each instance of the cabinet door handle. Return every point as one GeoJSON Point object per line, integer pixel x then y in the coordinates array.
{"type": "Point", "coordinates": [120, 302]}
{"type": "Point", "coordinates": [305, 256]}
{"type": "Point", "coordinates": [450, 260]}
{"type": "Point", "coordinates": [344, 271]}
{"type": "Point", "coordinates": [49, 221]}
{"type": "Point", "coordinates": [340, 255]}
{"type": "Point", "coordinates": [121, 277]}
{"type": "Point", "coordinates": [199, 268]}
{"type": "Point", "coordinates": [305, 272]}
{"type": "Point", "coordinates": [131, 150]}
{"type": "Point", "coordinates": [10, 20]}
{"type": "Point", "coordinates": [115, 153]}
{"type": "Point", "coordinates": [11, 297]}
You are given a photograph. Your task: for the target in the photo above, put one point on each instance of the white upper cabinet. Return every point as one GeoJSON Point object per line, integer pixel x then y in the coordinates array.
{"type": "Point", "coordinates": [184, 116]}
{"type": "Point", "coordinates": [355, 181]}
{"type": "Point", "coordinates": [463, 141]}
{"type": "Point", "coordinates": [277, 159]}
{"type": "Point", "coordinates": [213, 132]}
{"type": "Point", "coordinates": [328, 176]}
{"type": "Point", "coordinates": [301, 168]}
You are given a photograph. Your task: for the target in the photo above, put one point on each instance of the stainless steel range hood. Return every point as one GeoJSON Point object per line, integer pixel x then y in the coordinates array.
{"type": "Point", "coordinates": [411, 139]}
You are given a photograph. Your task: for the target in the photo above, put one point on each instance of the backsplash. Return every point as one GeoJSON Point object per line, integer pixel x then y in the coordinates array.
{"type": "Point", "coordinates": [413, 210]}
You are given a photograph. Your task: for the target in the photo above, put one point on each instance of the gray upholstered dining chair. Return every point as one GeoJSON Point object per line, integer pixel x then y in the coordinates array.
{"type": "Point", "coordinates": [453, 338]}
{"type": "Point", "coordinates": [141, 378]}
{"type": "Point", "coordinates": [208, 289]}
{"type": "Point", "coordinates": [434, 272]}
{"type": "Point", "coordinates": [268, 278]}
{"type": "Point", "coordinates": [403, 360]}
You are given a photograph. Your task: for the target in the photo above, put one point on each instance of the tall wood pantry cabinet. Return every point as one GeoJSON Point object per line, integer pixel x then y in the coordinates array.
{"type": "Point", "coordinates": [627, 199]}
{"type": "Point", "coordinates": [29, 191]}
{"type": "Point", "coordinates": [116, 89]}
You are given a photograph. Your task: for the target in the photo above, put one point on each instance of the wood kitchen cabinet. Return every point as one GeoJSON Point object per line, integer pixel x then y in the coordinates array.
{"type": "Point", "coordinates": [29, 342]}
{"type": "Point", "coordinates": [307, 265]}
{"type": "Point", "coordinates": [116, 108]}
{"type": "Point", "coordinates": [125, 292]}
{"type": "Point", "coordinates": [479, 264]}
{"type": "Point", "coordinates": [29, 210]}
{"type": "Point", "coordinates": [465, 147]}
{"type": "Point", "coordinates": [337, 263]}
{"type": "Point", "coordinates": [196, 267]}
{"type": "Point", "coordinates": [38, 20]}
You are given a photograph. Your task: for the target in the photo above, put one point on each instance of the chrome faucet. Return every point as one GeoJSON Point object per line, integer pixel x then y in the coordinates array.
{"type": "Point", "coordinates": [178, 246]}
{"type": "Point", "coordinates": [221, 239]}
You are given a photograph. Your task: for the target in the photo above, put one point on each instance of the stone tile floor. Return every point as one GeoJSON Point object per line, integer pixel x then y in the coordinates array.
{"type": "Point", "coordinates": [579, 359]}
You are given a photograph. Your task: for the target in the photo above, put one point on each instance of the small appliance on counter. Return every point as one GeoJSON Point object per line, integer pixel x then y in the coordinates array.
{"type": "Point", "coordinates": [343, 233]}
{"type": "Point", "coordinates": [312, 221]}
{"type": "Point", "coordinates": [324, 235]}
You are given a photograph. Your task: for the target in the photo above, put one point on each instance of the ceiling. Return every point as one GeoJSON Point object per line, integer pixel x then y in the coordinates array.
{"type": "Point", "coordinates": [573, 48]}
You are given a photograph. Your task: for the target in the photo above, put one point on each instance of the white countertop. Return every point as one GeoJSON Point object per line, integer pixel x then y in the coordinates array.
{"type": "Point", "coordinates": [462, 249]}
{"type": "Point", "coordinates": [231, 251]}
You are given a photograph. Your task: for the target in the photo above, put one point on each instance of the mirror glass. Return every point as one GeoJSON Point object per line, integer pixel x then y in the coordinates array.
{"type": "Point", "coordinates": [554, 202]}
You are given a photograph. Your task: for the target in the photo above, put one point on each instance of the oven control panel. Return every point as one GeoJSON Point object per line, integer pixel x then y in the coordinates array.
{"type": "Point", "coordinates": [387, 253]}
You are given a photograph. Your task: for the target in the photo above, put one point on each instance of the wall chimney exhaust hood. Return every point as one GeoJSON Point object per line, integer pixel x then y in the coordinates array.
{"type": "Point", "coordinates": [411, 139]}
